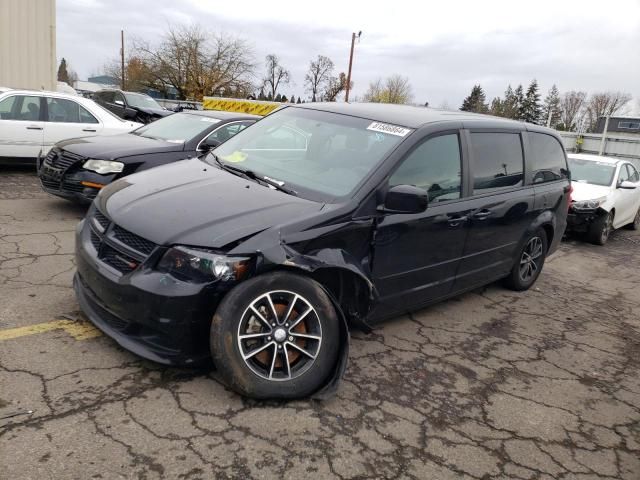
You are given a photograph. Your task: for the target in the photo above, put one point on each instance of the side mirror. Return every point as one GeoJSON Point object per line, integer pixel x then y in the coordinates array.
{"type": "Point", "coordinates": [209, 144]}
{"type": "Point", "coordinates": [119, 102]}
{"type": "Point", "coordinates": [627, 185]}
{"type": "Point", "coordinates": [405, 199]}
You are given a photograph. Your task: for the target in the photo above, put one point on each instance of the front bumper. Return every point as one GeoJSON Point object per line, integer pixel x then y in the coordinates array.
{"type": "Point", "coordinates": [147, 312]}
{"type": "Point", "coordinates": [69, 185]}
{"type": "Point", "coordinates": [580, 221]}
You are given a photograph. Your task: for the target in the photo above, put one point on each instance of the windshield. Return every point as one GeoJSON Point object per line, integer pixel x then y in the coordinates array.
{"type": "Point", "coordinates": [320, 154]}
{"type": "Point", "coordinates": [588, 171]}
{"type": "Point", "coordinates": [141, 101]}
{"type": "Point", "coordinates": [178, 128]}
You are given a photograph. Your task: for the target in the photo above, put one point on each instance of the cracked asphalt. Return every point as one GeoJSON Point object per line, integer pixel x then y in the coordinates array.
{"type": "Point", "coordinates": [492, 384]}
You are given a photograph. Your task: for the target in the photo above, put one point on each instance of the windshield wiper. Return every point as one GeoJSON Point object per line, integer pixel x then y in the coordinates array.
{"type": "Point", "coordinates": [250, 174]}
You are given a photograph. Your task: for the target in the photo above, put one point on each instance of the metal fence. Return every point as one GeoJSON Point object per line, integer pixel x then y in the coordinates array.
{"type": "Point", "coordinates": [614, 145]}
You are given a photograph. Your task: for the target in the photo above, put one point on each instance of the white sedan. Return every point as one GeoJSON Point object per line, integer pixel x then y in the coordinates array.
{"type": "Point", "coordinates": [33, 121]}
{"type": "Point", "coordinates": [606, 196]}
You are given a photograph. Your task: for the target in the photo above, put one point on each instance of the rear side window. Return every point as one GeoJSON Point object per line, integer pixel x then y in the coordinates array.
{"type": "Point", "coordinates": [67, 111]}
{"type": "Point", "coordinates": [498, 162]}
{"type": "Point", "coordinates": [547, 159]}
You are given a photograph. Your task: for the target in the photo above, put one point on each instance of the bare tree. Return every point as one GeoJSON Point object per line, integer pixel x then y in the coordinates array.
{"type": "Point", "coordinates": [395, 89]}
{"type": "Point", "coordinates": [318, 76]}
{"type": "Point", "coordinates": [276, 75]}
{"type": "Point", "coordinates": [605, 104]}
{"type": "Point", "coordinates": [196, 63]}
{"type": "Point", "coordinates": [335, 86]}
{"type": "Point", "coordinates": [571, 105]}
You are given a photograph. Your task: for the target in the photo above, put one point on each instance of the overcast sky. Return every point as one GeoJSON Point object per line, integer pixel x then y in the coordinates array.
{"type": "Point", "coordinates": [443, 47]}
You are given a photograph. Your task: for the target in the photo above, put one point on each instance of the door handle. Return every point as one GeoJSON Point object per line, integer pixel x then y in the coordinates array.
{"type": "Point", "coordinates": [482, 214]}
{"type": "Point", "coordinates": [33, 127]}
{"type": "Point", "coordinates": [456, 221]}
{"type": "Point", "coordinates": [88, 129]}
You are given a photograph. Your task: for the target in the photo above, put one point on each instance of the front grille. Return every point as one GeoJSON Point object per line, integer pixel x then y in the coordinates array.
{"type": "Point", "coordinates": [132, 240]}
{"type": "Point", "coordinates": [50, 183]}
{"type": "Point", "coordinates": [101, 219]}
{"type": "Point", "coordinates": [64, 159]}
{"type": "Point", "coordinates": [103, 236]}
{"type": "Point", "coordinates": [95, 240]}
{"type": "Point", "coordinates": [118, 260]}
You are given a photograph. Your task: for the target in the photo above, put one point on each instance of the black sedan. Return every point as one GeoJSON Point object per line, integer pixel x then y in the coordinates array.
{"type": "Point", "coordinates": [138, 107]}
{"type": "Point", "coordinates": [77, 169]}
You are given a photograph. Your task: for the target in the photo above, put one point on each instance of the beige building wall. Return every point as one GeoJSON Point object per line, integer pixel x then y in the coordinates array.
{"type": "Point", "coordinates": [28, 44]}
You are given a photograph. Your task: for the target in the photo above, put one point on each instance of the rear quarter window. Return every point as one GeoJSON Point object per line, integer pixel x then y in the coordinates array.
{"type": "Point", "coordinates": [546, 158]}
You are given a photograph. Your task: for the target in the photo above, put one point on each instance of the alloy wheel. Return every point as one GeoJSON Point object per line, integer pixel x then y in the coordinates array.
{"type": "Point", "coordinates": [531, 259]}
{"type": "Point", "coordinates": [279, 335]}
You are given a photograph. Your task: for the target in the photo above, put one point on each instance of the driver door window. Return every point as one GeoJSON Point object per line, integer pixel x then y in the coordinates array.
{"type": "Point", "coordinates": [434, 166]}
{"type": "Point", "coordinates": [634, 176]}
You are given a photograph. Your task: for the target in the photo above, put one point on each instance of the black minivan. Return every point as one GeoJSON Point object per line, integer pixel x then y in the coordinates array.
{"type": "Point", "coordinates": [317, 218]}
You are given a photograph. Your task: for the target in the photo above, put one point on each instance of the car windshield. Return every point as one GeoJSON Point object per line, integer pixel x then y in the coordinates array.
{"type": "Point", "coordinates": [320, 155]}
{"type": "Point", "coordinates": [141, 101]}
{"type": "Point", "coordinates": [589, 171]}
{"type": "Point", "coordinates": [178, 128]}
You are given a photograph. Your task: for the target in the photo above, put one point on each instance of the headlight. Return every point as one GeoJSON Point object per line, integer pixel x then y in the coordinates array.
{"type": "Point", "coordinates": [200, 266]}
{"type": "Point", "coordinates": [589, 204]}
{"type": "Point", "coordinates": [103, 166]}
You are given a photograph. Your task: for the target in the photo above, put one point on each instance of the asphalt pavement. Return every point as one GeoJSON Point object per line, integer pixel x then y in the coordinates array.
{"type": "Point", "coordinates": [492, 384]}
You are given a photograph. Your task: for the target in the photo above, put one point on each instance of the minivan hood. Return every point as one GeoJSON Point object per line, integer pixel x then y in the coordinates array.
{"type": "Point", "coordinates": [116, 146]}
{"type": "Point", "coordinates": [587, 191]}
{"type": "Point", "coordinates": [193, 203]}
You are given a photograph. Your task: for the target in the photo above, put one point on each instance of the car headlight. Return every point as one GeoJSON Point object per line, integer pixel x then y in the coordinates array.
{"type": "Point", "coordinates": [589, 204]}
{"type": "Point", "coordinates": [103, 166]}
{"type": "Point", "coordinates": [200, 265]}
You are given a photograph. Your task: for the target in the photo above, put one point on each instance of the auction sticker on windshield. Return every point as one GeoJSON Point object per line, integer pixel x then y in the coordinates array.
{"type": "Point", "coordinates": [390, 129]}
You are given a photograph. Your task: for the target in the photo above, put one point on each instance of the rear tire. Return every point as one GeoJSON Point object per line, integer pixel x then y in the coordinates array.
{"type": "Point", "coordinates": [600, 229]}
{"type": "Point", "coordinates": [529, 263]}
{"type": "Point", "coordinates": [635, 225]}
{"type": "Point", "coordinates": [276, 336]}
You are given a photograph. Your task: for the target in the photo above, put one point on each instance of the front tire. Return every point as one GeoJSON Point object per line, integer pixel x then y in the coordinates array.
{"type": "Point", "coordinates": [275, 336]}
{"type": "Point", "coordinates": [600, 229]}
{"type": "Point", "coordinates": [529, 263]}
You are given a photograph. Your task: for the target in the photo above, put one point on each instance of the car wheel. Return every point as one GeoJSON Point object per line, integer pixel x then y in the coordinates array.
{"type": "Point", "coordinates": [635, 225]}
{"type": "Point", "coordinates": [275, 336]}
{"type": "Point", "coordinates": [529, 264]}
{"type": "Point", "coordinates": [600, 229]}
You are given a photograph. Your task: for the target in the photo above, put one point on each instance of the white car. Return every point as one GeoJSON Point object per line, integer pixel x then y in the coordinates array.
{"type": "Point", "coordinates": [606, 196]}
{"type": "Point", "coordinates": [33, 121]}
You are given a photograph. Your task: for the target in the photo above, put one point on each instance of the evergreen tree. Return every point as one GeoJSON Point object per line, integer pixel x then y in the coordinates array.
{"type": "Point", "coordinates": [270, 97]}
{"type": "Point", "coordinates": [476, 101]}
{"type": "Point", "coordinates": [551, 107]}
{"type": "Point", "coordinates": [284, 99]}
{"type": "Point", "coordinates": [261, 95]}
{"type": "Point", "coordinates": [531, 110]}
{"type": "Point", "coordinates": [510, 104]}
{"type": "Point", "coordinates": [497, 107]}
{"type": "Point", "coordinates": [293, 99]}
{"type": "Point", "coordinates": [278, 98]}
{"type": "Point", "coordinates": [519, 101]}
{"type": "Point", "coordinates": [63, 74]}
{"type": "Point", "coordinates": [299, 100]}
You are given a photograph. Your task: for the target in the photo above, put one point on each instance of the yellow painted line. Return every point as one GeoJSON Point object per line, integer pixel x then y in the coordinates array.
{"type": "Point", "coordinates": [78, 330]}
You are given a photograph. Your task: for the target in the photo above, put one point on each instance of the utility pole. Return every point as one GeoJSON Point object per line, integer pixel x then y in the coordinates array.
{"type": "Point", "coordinates": [603, 141]}
{"type": "Point", "coordinates": [353, 42]}
{"type": "Point", "coordinates": [122, 59]}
